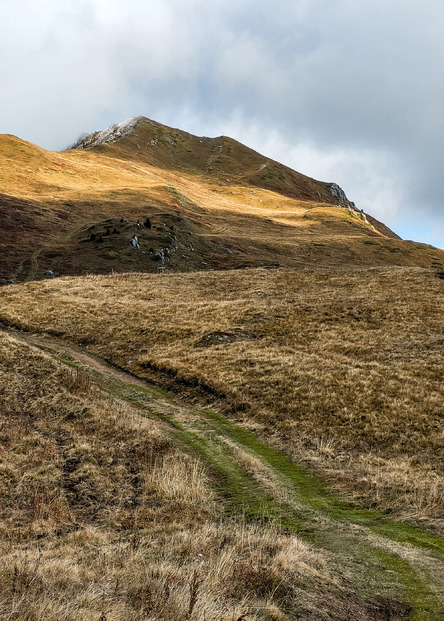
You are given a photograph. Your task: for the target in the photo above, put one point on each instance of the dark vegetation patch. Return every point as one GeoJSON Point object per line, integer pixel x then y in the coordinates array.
{"type": "Point", "coordinates": [221, 338]}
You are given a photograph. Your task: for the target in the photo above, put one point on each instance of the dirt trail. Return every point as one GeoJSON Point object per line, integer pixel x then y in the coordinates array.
{"type": "Point", "coordinates": [387, 561]}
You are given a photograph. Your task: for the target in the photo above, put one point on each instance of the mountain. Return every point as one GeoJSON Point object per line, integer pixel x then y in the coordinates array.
{"type": "Point", "coordinates": [149, 142]}
{"type": "Point", "coordinates": [208, 203]}
{"type": "Point", "coordinates": [261, 444]}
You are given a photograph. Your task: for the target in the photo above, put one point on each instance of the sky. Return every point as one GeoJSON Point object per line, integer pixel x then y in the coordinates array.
{"type": "Point", "coordinates": [349, 91]}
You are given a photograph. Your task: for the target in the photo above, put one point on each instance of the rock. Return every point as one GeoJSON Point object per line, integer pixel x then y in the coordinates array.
{"type": "Point", "coordinates": [49, 273]}
{"type": "Point", "coordinates": [338, 192]}
{"type": "Point", "coordinates": [10, 281]}
{"type": "Point", "coordinates": [158, 256]}
{"type": "Point", "coordinates": [114, 132]}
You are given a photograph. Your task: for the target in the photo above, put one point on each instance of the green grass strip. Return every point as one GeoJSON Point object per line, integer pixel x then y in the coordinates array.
{"type": "Point", "coordinates": [311, 490]}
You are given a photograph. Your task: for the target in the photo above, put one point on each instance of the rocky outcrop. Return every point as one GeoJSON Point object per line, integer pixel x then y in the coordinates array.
{"type": "Point", "coordinates": [337, 192]}
{"type": "Point", "coordinates": [112, 133]}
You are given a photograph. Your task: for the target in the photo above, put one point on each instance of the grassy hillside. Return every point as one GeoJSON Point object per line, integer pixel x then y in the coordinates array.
{"type": "Point", "coordinates": [103, 517]}
{"type": "Point", "coordinates": [297, 473]}
{"type": "Point", "coordinates": [342, 368]}
{"type": "Point", "coordinates": [152, 143]}
{"type": "Point", "coordinates": [76, 212]}
{"type": "Point", "coordinates": [122, 503]}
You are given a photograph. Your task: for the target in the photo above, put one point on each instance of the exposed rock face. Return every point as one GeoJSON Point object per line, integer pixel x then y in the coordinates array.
{"type": "Point", "coordinates": [159, 256]}
{"type": "Point", "coordinates": [114, 132]}
{"type": "Point", "coordinates": [338, 192]}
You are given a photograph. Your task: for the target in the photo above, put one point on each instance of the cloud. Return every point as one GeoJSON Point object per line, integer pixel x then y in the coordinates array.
{"type": "Point", "coordinates": [346, 91]}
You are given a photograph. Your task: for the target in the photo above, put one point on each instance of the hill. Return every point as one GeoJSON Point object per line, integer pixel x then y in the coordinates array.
{"type": "Point", "coordinates": [210, 203]}
{"type": "Point", "coordinates": [338, 366]}
{"type": "Point", "coordinates": [215, 158]}
{"type": "Point", "coordinates": [185, 439]}
{"type": "Point", "coordinates": [210, 502]}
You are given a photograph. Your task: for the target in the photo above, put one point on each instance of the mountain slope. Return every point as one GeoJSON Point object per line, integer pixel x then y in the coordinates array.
{"type": "Point", "coordinates": [300, 471]}
{"type": "Point", "coordinates": [211, 203]}
{"type": "Point", "coordinates": [150, 142]}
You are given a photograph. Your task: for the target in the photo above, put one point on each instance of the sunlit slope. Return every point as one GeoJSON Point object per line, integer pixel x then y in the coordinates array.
{"type": "Point", "coordinates": [76, 212]}
{"type": "Point", "coordinates": [222, 158]}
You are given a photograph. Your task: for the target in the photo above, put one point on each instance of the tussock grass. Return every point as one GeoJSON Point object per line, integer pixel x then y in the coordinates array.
{"type": "Point", "coordinates": [104, 518]}
{"type": "Point", "coordinates": [78, 381]}
{"type": "Point", "coordinates": [340, 367]}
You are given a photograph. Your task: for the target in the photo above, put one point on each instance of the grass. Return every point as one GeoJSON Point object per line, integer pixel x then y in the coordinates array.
{"type": "Point", "coordinates": [330, 525]}
{"type": "Point", "coordinates": [339, 368]}
{"type": "Point", "coordinates": [121, 502]}
{"type": "Point", "coordinates": [105, 517]}
{"type": "Point", "coordinates": [370, 560]}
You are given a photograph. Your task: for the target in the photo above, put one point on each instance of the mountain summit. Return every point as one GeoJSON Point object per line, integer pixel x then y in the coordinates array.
{"type": "Point", "coordinates": [221, 158]}
{"type": "Point", "coordinates": [141, 196]}
{"type": "Point", "coordinates": [114, 132]}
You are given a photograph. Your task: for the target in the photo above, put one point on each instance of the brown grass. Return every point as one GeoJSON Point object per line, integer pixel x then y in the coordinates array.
{"type": "Point", "coordinates": [343, 368]}
{"type": "Point", "coordinates": [102, 517]}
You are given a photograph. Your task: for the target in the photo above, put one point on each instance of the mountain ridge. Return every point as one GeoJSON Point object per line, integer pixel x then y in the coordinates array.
{"type": "Point", "coordinates": [215, 157]}
{"type": "Point", "coordinates": [212, 203]}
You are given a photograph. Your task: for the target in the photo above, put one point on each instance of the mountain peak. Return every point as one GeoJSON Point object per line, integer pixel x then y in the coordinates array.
{"type": "Point", "coordinates": [222, 159]}
{"type": "Point", "coordinates": [112, 133]}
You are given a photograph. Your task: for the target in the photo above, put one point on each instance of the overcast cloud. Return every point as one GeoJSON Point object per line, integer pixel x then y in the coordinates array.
{"type": "Point", "coordinates": [346, 91]}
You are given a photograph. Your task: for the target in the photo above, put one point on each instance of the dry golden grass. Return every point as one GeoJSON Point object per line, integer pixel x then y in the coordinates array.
{"type": "Point", "coordinates": [103, 518]}
{"type": "Point", "coordinates": [342, 367]}
{"type": "Point", "coordinates": [113, 184]}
